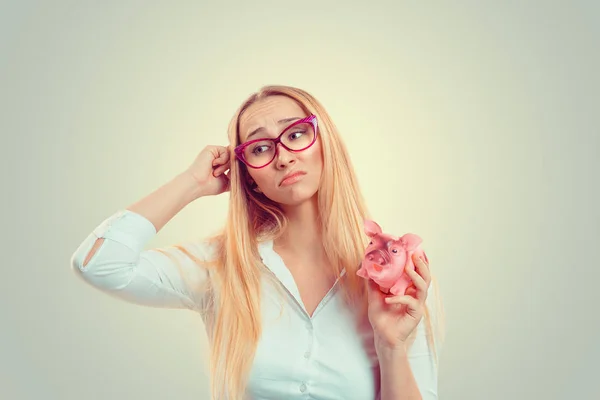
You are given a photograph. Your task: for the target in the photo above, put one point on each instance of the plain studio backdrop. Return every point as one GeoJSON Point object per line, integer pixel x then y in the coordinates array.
{"type": "Point", "coordinates": [473, 124]}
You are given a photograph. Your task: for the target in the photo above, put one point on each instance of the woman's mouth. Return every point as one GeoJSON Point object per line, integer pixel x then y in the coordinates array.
{"type": "Point", "coordinates": [293, 178]}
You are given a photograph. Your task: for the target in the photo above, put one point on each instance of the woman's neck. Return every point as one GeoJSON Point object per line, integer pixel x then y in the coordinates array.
{"type": "Point", "coordinates": [303, 236]}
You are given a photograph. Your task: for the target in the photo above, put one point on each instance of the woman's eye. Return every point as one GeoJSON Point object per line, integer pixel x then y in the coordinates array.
{"type": "Point", "coordinates": [299, 134]}
{"type": "Point", "coordinates": [259, 149]}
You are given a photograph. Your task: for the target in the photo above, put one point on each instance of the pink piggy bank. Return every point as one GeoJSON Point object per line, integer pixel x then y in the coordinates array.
{"type": "Point", "coordinates": [387, 257]}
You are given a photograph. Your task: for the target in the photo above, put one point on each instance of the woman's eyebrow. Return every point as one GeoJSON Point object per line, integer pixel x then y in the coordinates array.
{"type": "Point", "coordinates": [281, 121]}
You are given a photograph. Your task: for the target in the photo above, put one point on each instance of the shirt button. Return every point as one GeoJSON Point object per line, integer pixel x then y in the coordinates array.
{"type": "Point", "coordinates": [307, 354]}
{"type": "Point", "coordinates": [303, 388]}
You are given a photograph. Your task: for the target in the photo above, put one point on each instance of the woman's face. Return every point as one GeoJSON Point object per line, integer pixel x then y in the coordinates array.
{"type": "Point", "coordinates": [273, 114]}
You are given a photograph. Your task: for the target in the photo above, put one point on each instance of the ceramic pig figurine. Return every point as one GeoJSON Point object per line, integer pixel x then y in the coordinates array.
{"type": "Point", "coordinates": [386, 258]}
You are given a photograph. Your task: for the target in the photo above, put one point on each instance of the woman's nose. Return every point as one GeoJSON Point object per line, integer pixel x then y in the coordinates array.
{"type": "Point", "coordinates": [284, 156]}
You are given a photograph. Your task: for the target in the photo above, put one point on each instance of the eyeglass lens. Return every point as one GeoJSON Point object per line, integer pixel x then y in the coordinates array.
{"type": "Point", "coordinates": [296, 138]}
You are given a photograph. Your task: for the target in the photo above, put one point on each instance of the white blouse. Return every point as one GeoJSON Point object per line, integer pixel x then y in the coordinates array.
{"type": "Point", "coordinates": [323, 357]}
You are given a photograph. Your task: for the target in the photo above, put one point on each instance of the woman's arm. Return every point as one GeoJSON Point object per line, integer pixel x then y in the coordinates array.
{"type": "Point", "coordinates": [412, 373]}
{"type": "Point", "coordinates": [160, 206]}
{"type": "Point", "coordinates": [112, 258]}
{"type": "Point", "coordinates": [397, 379]}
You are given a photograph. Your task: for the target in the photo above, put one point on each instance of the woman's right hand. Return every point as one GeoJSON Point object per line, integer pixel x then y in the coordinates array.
{"type": "Point", "coordinates": [210, 170]}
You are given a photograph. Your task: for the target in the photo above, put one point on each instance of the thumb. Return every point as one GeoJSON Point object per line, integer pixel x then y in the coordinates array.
{"type": "Point", "coordinates": [374, 294]}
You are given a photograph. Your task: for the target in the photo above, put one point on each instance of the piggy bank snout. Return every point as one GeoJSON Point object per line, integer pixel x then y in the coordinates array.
{"type": "Point", "coordinates": [378, 257]}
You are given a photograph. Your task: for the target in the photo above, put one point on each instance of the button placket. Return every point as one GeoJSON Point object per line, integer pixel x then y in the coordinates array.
{"type": "Point", "coordinates": [308, 351]}
{"type": "Point", "coordinates": [302, 387]}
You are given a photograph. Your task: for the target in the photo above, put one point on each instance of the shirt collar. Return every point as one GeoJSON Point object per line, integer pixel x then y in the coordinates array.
{"type": "Point", "coordinates": [276, 265]}
{"type": "Point", "coordinates": [274, 262]}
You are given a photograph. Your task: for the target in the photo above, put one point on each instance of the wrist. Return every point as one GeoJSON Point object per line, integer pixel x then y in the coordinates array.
{"type": "Point", "coordinates": [392, 360]}
{"type": "Point", "coordinates": [191, 189]}
{"type": "Point", "coordinates": [387, 353]}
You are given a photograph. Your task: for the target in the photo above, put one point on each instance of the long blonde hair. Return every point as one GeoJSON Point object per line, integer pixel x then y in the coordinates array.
{"type": "Point", "coordinates": [236, 268]}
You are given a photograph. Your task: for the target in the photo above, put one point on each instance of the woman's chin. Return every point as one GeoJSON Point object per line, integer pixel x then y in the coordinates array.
{"type": "Point", "coordinates": [296, 197]}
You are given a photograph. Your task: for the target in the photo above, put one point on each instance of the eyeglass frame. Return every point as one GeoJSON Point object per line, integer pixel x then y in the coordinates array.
{"type": "Point", "coordinates": [239, 150]}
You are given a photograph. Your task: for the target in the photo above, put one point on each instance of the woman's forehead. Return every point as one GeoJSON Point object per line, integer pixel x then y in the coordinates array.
{"type": "Point", "coordinates": [268, 111]}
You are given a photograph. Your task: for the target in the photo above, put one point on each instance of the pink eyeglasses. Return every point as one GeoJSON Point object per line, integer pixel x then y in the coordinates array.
{"type": "Point", "coordinates": [299, 136]}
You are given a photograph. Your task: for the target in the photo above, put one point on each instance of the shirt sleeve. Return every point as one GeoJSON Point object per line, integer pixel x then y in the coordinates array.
{"type": "Point", "coordinates": [170, 278]}
{"type": "Point", "coordinates": [422, 357]}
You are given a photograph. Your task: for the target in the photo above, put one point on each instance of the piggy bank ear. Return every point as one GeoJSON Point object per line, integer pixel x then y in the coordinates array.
{"type": "Point", "coordinates": [410, 241]}
{"type": "Point", "coordinates": [371, 228]}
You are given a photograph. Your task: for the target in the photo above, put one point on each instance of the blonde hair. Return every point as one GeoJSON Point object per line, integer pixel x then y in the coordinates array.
{"type": "Point", "coordinates": [234, 294]}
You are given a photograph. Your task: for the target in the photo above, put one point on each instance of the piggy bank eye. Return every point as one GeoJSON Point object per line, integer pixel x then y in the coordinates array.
{"type": "Point", "coordinates": [395, 251]}
{"type": "Point", "coordinates": [370, 243]}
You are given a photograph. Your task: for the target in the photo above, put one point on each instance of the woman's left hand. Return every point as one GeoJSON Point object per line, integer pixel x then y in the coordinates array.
{"type": "Point", "coordinates": [393, 318]}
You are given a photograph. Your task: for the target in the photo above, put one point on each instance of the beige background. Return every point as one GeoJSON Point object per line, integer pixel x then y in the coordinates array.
{"type": "Point", "coordinates": [473, 124]}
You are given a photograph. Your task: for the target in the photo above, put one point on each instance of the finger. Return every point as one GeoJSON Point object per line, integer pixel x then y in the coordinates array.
{"type": "Point", "coordinates": [219, 170]}
{"type": "Point", "coordinates": [227, 152]}
{"type": "Point", "coordinates": [420, 284]}
{"type": "Point", "coordinates": [370, 289]}
{"type": "Point", "coordinates": [411, 291]}
{"type": "Point", "coordinates": [222, 155]}
{"type": "Point", "coordinates": [422, 268]}
{"type": "Point", "coordinates": [374, 294]}
{"type": "Point", "coordinates": [405, 299]}
{"type": "Point", "coordinates": [221, 160]}
{"type": "Point", "coordinates": [412, 305]}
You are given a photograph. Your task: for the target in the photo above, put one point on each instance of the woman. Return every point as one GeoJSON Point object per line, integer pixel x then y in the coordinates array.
{"type": "Point", "coordinates": [286, 315]}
